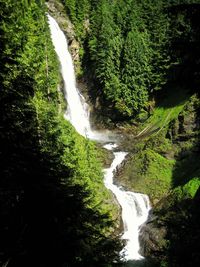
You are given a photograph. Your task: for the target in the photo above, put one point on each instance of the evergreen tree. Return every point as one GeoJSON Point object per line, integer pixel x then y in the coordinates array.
{"type": "Point", "coordinates": [53, 202]}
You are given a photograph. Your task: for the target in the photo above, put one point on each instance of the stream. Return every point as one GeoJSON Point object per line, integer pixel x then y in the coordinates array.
{"type": "Point", "coordinates": [135, 206]}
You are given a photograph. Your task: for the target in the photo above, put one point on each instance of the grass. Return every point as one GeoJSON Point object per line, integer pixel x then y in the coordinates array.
{"type": "Point", "coordinates": [166, 110]}
{"type": "Point", "coordinates": [191, 187]}
{"type": "Point", "coordinates": [152, 167]}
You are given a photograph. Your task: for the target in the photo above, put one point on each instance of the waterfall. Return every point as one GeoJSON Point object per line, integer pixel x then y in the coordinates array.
{"type": "Point", "coordinates": [77, 109]}
{"type": "Point", "coordinates": [135, 206]}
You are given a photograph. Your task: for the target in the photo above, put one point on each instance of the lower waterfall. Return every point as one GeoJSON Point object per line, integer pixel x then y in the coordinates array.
{"type": "Point", "coordinates": [135, 206]}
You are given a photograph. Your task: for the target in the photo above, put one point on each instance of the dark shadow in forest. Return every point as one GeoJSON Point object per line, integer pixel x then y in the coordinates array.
{"type": "Point", "coordinates": [140, 263]}
{"type": "Point", "coordinates": [187, 161]}
{"type": "Point", "coordinates": [183, 77]}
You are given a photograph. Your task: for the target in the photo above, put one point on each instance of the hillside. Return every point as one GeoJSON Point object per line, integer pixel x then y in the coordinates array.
{"type": "Point", "coordinates": [55, 210]}
{"type": "Point", "coordinates": [142, 63]}
{"type": "Point", "coordinates": [138, 64]}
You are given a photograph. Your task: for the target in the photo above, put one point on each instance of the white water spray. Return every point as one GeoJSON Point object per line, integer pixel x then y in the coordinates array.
{"type": "Point", "coordinates": [135, 206]}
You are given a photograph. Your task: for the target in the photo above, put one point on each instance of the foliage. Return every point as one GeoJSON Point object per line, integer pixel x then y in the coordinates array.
{"type": "Point", "coordinates": [120, 67]}
{"type": "Point", "coordinates": [148, 172]}
{"type": "Point", "coordinates": [135, 49]}
{"type": "Point", "coordinates": [167, 110]}
{"type": "Point", "coordinates": [188, 190]}
{"type": "Point", "coordinates": [179, 214]}
{"type": "Point", "coordinates": [54, 208]}
{"type": "Point", "coordinates": [79, 15]}
{"type": "Point", "coordinates": [178, 211]}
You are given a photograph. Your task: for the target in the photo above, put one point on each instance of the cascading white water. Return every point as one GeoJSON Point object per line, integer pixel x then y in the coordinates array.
{"type": "Point", "coordinates": [135, 206]}
{"type": "Point", "coordinates": [77, 109]}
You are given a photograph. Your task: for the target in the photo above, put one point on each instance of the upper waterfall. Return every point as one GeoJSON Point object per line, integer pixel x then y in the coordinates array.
{"type": "Point", "coordinates": [77, 109]}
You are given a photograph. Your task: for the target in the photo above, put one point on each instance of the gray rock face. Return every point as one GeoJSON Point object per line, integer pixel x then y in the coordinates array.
{"type": "Point", "coordinates": [153, 239]}
{"type": "Point", "coordinates": [57, 10]}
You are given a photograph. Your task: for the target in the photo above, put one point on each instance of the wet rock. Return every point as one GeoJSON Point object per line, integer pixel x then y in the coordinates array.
{"type": "Point", "coordinates": [57, 10]}
{"type": "Point", "coordinates": [74, 47]}
{"type": "Point", "coordinates": [153, 239]}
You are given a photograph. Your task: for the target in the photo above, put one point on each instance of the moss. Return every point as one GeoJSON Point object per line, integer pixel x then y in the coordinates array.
{"type": "Point", "coordinates": [191, 187]}
{"type": "Point", "coordinates": [189, 190]}
{"type": "Point", "coordinates": [149, 172]}
{"type": "Point", "coordinates": [168, 157]}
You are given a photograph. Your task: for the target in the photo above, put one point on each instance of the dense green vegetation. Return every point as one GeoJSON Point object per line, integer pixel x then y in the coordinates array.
{"type": "Point", "coordinates": [136, 48]}
{"type": "Point", "coordinates": [174, 225]}
{"type": "Point", "coordinates": [156, 164]}
{"type": "Point", "coordinates": [149, 64]}
{"type": "Point", "coordinates": [54, 208]}
{"type": "Point", "coordinates": [143, 58]}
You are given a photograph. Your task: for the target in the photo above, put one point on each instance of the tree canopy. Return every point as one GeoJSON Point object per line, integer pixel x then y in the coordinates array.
{"type": "Point", "coordinates": [54, 207]}
{"type": "Point", "coordinates": [135, 48]}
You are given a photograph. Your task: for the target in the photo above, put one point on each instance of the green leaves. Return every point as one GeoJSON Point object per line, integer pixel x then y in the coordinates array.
{"type": "Point", "coordinates": [128, 52]}
{"type": "Point", "coordinates": [78, 12]}
{"type": "Point", "coordinates": [54, 204]}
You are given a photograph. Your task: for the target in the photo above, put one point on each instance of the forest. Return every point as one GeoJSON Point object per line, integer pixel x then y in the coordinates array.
{"type": "Point", "coordinates": [141, 60]}
{"type": "Point", "coordinates": [52, 211]}
{"type": "Point", "coordinates": [134, 49]}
